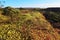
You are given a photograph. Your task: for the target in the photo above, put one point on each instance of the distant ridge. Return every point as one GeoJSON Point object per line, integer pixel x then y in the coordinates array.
{"type": "Point", "coordinates": [53, 9]}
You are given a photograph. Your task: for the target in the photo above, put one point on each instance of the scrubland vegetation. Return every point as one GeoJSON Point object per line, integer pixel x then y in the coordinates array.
{"type": "Point", "coordinates": [16, 24]}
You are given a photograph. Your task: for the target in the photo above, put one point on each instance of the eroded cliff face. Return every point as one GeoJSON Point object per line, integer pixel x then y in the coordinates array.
{"type": "Point", "coordinates": [25, 26]}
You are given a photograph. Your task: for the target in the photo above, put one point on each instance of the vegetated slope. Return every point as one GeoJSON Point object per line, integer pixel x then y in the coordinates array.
{"type": "Point", "coordinates": [25, 26]}
{"type": "Point", "coordinates": [53, 16]}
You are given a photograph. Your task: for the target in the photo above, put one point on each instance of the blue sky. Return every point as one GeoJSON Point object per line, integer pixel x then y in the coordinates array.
{"type": "Point", "coordinates": [32, 3]}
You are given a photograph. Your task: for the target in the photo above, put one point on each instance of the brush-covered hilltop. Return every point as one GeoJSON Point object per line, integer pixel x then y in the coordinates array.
{"type": "Point", "coordinates": [28, 24]}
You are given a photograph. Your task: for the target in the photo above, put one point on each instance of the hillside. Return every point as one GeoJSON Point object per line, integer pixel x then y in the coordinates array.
{"type": "Point", "coordinates": [24, 24]}
{"type": "Point", "coordinates": [53, 16]}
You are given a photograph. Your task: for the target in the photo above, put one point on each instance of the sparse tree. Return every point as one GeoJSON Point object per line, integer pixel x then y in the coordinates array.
{"type": "Point", "coordinates": [2, 4]}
